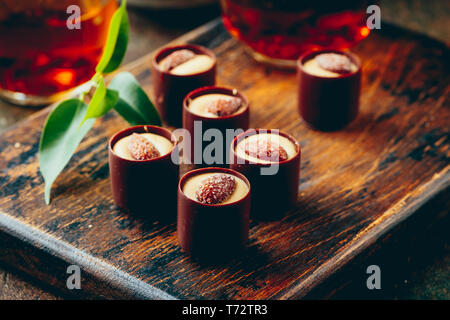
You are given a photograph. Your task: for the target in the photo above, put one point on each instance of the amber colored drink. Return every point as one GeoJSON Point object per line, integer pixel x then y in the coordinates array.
{"type": "Point", "coordinates": [284, 29]}
{"type": "Point", "coordinates": [40, 55]}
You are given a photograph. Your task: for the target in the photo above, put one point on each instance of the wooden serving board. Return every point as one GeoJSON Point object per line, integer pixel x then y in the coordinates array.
{"type": "Point", "coordinates": [356, 184]}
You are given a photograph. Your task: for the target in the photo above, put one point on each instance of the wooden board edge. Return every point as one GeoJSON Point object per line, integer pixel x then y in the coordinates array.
{"type": "Point", "coordinates": [98, 268]}
{"type": "Point", "coordinates": [391, 218]}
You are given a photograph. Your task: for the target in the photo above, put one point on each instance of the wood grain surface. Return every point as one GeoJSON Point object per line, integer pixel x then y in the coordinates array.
{"type": "Point", "coordinates": [356, 183]}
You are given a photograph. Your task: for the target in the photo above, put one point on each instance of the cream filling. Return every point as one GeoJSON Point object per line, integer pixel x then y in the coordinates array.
{"type": "Point", "coordinates": [200, 104]}
{"type": "Point", "coordinates": [191, 185]}
{"type": "Point", "coordinates": [312, 67]}
{"type": "Point", "coordinates": [199, 63]}
{"type": "Point", "coordinates": [284, 142]}
{"type": "Point", "coordinates": [162, 144]}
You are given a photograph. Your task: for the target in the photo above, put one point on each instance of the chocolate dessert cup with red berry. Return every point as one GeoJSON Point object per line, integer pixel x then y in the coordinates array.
{"type": "Point", "coordinates": [144, 177]}
{"type": "Point", "coordinates": [270, 159]}
{"type": "Point", "coordinates": [329, 85]}
{"type": "Point", "coordinates": [213, 212]}
{"type": "Point", "coordinates": [213, 107]}
{"type": "Point", "coordinates": [176, 71]}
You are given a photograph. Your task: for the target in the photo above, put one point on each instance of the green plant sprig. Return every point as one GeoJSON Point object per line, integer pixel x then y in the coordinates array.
{"type": "Point", "coordinates": [71, 120]}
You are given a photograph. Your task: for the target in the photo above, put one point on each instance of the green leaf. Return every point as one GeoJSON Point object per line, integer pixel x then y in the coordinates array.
{"type": "Point", "coordinates": [60, 138]}
{"type": "Point", "coordinates": [111, 98]}
{"type": "Point", "coordinates": [116, 43]}
{"type": "Point", "coordinates": [127, 112]}
{"type": "Point", "coordinates": [102, 101]}
{"type": "Point", "coordinates": [133, 104]}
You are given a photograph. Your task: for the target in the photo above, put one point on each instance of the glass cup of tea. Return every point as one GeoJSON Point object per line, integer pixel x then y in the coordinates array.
{"type": "Point", "coordinates": [45, 50]}
{"type": "Point", "coordinates": [277, 32]}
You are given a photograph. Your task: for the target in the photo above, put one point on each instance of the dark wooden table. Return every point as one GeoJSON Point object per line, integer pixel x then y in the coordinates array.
{"type": "Point", "coordinates": [150, 31]}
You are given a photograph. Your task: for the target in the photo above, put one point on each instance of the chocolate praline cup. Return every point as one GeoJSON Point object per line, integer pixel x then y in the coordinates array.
{"type": "Point", "coordinates": [170, 89]}
{"type": "Point", "coordinates": [272, 195]}
{"type": "Point", "coordinates": [239, 120]}
{"type": "Point", "coordinates": [208, 231]}
{"type": "Point", "coordinates": [145, 188]}
{"type": "Point", "coordinates": [328, 103]}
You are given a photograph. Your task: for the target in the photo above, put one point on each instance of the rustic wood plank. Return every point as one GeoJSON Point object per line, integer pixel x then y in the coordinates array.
{"type": "Point", "coordinates": [355, 184]}
{"type": "Point", "coordinates": [413, 258]}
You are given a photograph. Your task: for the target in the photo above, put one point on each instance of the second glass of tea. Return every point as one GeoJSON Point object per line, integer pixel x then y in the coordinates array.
{"type": "Point", "coordinates": [277, 32]}
{"type": "Point", "coordinates": [41, 58]}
